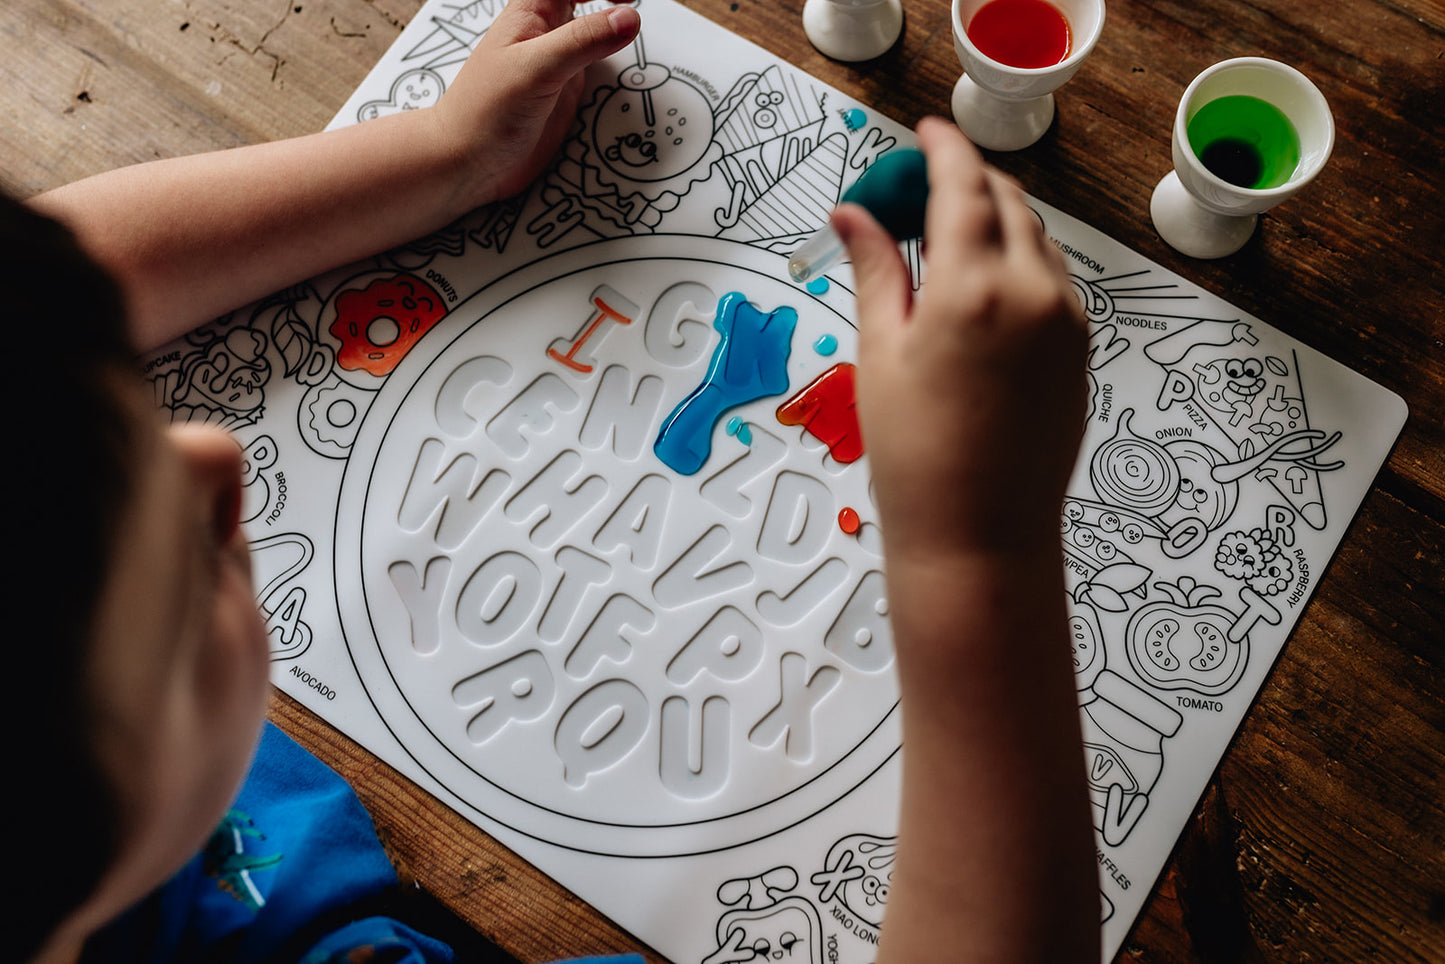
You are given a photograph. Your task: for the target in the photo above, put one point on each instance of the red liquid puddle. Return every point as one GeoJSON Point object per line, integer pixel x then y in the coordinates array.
{"type": "Point", "coordinates": [1021, 33]}
{"type": "Point", "coordinates": [826, 410]}
{"type": "Point", "coordinates": [848, 520]}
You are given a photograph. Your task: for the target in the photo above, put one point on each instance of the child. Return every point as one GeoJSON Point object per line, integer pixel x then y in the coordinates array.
{"type": "Point", "coordinates": [144, 672]}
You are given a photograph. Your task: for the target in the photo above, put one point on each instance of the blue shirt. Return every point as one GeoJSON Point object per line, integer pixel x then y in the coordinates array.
{"type": "Point", "coordinates": [275, 882]}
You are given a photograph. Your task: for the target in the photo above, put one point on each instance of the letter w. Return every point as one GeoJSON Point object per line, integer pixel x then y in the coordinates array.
{"type": "Point", "coordinates": [451, 499]}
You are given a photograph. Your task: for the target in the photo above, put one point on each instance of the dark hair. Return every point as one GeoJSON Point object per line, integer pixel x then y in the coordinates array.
{"type": "Point", "coordinates": [70, 473]}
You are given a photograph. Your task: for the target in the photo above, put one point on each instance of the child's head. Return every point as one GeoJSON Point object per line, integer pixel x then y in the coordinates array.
{"type": "Point", "coordinates": [138, 673]}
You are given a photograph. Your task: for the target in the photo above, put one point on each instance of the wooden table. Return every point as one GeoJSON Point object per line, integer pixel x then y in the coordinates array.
{"type": "Point", "coordinates": [1322, 835]}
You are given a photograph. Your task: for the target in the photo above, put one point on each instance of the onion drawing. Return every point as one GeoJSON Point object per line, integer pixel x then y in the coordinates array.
{"type": "Point", "coordinates": [1134, 472]}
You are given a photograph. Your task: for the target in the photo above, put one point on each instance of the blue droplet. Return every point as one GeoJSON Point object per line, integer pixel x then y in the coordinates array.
{"type": "Point", "coordinates": [854, 119]}
{"type": "Point", "coordinates": [825, 345]}
{"type": "Point", "coordinates": [739, 429]}
{"type": "Point", "coordinates": [818, 286]}
{"type": "Point", "coordinates": [749, 362]}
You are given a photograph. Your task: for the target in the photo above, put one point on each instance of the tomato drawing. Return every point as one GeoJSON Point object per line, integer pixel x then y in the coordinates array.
{"type": "Point", "coordinates": [1086, 645]}
{"type": "Point", "coordinates": [1185, 643]}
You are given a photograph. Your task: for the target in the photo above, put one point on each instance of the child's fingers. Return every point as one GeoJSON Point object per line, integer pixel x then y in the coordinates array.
{"type": "Point", "coordinates": [884, 288]}
{"type": "Point", "coordinates": [1018, 227]}
{"type": "Point", "coordinates": [578, 44]}
{"type": "Point", "coordinates": [962, 216]}
{"type": "Point", "coordinates": [1021, 231]}
{"type": "Point", "coordinates": [558, 53]}
{"type": "Point", "coordinates": [522, 19]}
{"type": "Point", "coordinates": [525, 19]}
{"type": "Point", "coordinates": [1025, 245]}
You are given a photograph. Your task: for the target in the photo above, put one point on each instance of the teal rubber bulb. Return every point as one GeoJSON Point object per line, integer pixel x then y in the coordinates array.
{"type": "Point", "coordinates": [894, 190]}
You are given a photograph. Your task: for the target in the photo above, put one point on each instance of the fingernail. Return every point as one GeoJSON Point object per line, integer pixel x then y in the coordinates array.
{"type": "Point", "coordinates": [621, 18]}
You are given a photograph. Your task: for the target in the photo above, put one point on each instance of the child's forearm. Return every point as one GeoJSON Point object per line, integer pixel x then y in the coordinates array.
{"type": "Point", "coordinates": [193, 237]}
{"type": "Point", "coordinates": [994, 861]}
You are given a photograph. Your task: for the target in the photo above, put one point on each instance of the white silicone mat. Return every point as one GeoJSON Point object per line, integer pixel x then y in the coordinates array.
{"type": "Point", "coordinates": [549, 510]}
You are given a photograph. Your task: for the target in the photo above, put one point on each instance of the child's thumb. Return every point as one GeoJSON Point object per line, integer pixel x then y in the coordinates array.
{"type": "Point", "coordinates": [577, 44]}
{"type": "Point", "coordinates": [884, 288]}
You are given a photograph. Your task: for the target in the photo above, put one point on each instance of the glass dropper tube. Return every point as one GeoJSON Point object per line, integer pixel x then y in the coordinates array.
{"type": "Point", "coordinates": [817, 255]}
{"type": "Point", "coordinates": [894, 189]}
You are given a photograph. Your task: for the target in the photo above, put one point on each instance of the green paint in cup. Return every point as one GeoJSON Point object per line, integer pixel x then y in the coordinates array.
{"type": "Point", "coordinates": [1244, 140]}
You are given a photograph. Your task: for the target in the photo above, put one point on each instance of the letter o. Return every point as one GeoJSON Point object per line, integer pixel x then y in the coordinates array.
{"type": "Point", "coordinates": [498, 598]}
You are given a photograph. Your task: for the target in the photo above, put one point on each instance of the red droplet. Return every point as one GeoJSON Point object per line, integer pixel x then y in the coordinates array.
{"type": "Point", "coordinates": [848, 521]}
{"type": "Point", "coordinates": [827, 410]}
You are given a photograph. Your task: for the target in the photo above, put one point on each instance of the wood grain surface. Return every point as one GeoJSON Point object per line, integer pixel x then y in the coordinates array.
{"type": "Point", "coordinates": [1322, 835]}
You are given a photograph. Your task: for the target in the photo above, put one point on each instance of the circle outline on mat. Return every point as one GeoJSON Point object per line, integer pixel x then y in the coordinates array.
{"type": "Point", "coordinates": [416, 738]}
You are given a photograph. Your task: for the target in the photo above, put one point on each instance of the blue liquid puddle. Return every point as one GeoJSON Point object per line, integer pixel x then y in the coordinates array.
{"type": "Point", "coordinates": [817, 286]}
{"type": "Point", "coordinates": [825, 345]}
{"type": "Point", "coordinates": [750, 362]}
{"type": "Point", "coordinates": [854, 119]}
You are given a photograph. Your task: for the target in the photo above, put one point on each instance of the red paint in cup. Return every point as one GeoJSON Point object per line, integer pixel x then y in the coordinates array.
{"type": "Point", "coordinates": [1027, 34]}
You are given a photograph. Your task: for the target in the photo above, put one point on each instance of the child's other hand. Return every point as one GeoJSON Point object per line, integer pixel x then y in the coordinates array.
{"type": "Point", "coordinates": [970, 397]}
{"type": "Point", "coordinates": [517, 95]}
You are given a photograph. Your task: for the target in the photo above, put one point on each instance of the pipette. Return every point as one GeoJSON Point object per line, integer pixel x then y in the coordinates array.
{"type": "Point", "coordinates": [894, 190]}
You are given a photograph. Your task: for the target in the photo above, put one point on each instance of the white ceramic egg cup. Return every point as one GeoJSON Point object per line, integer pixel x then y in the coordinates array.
{"type": "Point", "coordinates": [1204, 216]}
{"type": "Point", "coordinates": [853, 30]}
{"type": "Point", "coordinates": [1003, 108]}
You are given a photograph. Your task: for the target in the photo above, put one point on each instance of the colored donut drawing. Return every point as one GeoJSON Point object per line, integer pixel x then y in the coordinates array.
{"type": "Point", "coordinates": [379, 324]}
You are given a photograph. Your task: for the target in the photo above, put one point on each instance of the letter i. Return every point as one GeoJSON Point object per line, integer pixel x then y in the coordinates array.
{"type": "Point", "coordinates": [603, 301]}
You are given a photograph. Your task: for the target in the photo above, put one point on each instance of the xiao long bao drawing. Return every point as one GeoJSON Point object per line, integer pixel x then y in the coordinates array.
{"type": "Point", "coordinates": [563, 512]}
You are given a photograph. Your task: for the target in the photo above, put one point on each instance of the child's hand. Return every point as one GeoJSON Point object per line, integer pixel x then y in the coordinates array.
{"type": "Point", "coordinates": [517, 94]}
{"type": "Point", "coordinates": [971, 401]}
{"type": "Point", "coordinates": [970, 398]}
